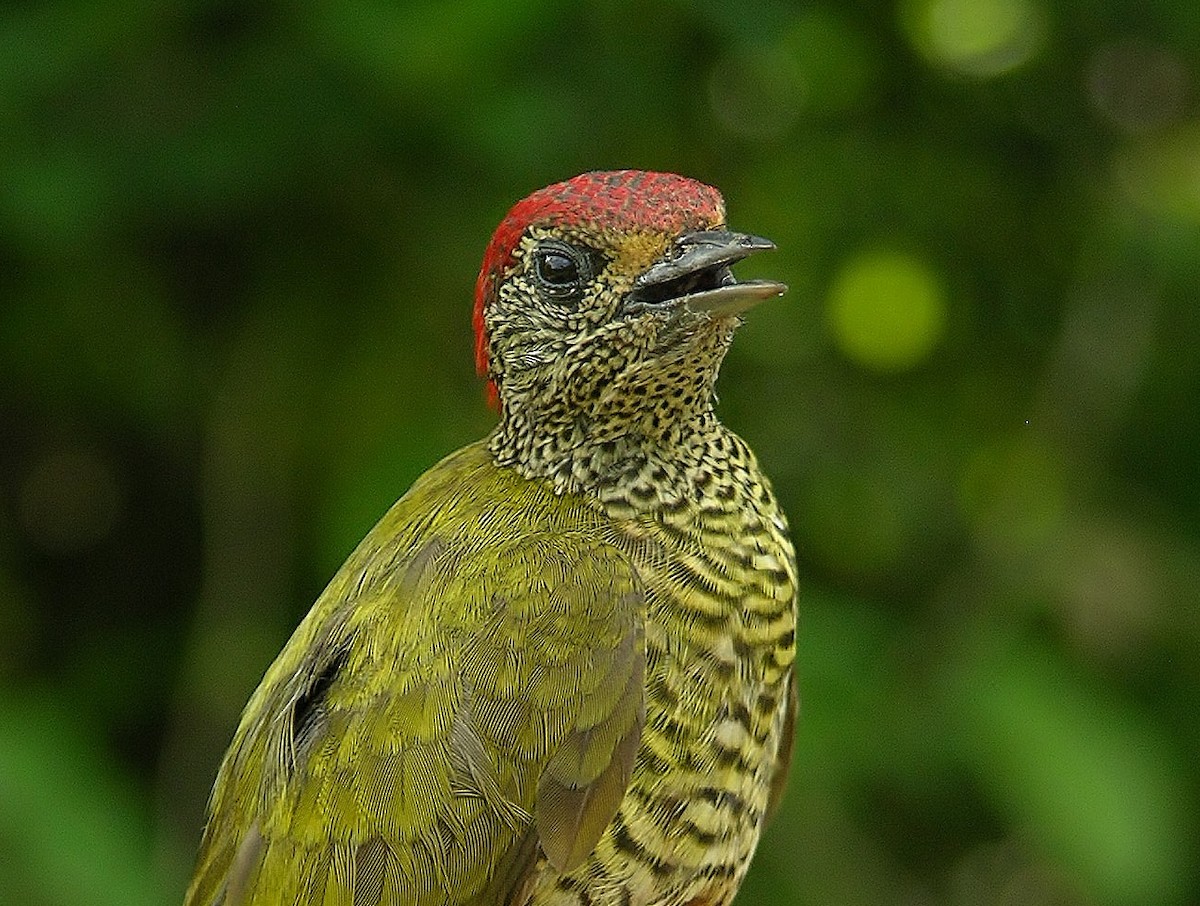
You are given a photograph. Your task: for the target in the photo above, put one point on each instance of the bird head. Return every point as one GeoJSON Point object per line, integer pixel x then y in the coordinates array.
{"type": "Point", "coordinates": [606, 303]}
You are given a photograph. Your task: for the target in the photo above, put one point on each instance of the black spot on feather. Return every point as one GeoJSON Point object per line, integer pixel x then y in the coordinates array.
{"type": "Point", "coordinates": [308, 713]}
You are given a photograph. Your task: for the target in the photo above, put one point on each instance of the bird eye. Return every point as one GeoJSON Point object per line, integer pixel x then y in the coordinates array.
{"type": "Point", "coordinates": [560, 271]}
{"type": "Point", "coordinates": [557, 270]}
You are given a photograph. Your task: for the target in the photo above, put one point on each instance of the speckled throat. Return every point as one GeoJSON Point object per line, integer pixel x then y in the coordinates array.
{"type": "Point", "coordinates": [621, 430]}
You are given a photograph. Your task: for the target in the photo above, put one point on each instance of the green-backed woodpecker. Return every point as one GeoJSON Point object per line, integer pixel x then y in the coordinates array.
{"type": "Point", "coordinates": [560, 668]}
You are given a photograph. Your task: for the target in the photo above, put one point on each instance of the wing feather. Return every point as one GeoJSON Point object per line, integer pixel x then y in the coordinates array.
{"type": "Point", "coordinates": [466, 697]}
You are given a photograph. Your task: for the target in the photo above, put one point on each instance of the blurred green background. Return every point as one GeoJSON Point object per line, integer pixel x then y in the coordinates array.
{"type": "Point", "coordinates": [237, 251]}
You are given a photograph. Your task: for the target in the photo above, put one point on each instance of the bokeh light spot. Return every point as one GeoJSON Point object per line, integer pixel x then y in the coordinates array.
{"type": "Point", "coordinates": [1163, 174]}
{"type": "Point", "coordinates": [886, 311]}
{"type": "Point", "coordinates": [1137, 86]}
{"type": "Point", "coordinates": [982, 38]}
{"type": "Point", "coordinates": [819, 65]}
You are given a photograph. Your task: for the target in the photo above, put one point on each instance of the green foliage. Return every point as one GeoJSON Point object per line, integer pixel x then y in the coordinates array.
{"type": "Point", "coordinates": [237, 251]}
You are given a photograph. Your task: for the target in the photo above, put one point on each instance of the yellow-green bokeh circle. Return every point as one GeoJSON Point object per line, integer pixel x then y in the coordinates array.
{"type": "Point", "coordinates": [886, 310]}
{"type": "Point", "coordinates": [982, 38]}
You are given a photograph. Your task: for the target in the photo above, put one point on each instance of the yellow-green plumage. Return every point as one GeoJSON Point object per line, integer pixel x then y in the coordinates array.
{"type": "Point", "coordinates": [537, 680]}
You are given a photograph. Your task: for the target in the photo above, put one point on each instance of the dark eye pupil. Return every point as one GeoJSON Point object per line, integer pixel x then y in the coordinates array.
{"type": "Point", "coordinates": [557, 269]}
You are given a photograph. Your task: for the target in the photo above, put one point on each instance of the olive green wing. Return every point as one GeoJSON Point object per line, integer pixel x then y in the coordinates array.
{"type": "Point", "coordinates": [440, 721]}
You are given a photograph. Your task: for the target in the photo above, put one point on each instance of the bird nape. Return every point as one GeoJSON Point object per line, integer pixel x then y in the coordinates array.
{"type": "Point", "coordinates": [559, 670]}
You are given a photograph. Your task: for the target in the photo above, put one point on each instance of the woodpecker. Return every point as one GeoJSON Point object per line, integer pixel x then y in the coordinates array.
{"type": "Point", "coordinates": [559, 670]}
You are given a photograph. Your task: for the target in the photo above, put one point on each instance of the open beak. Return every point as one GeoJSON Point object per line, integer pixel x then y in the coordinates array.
{"type": "Point", "coordinates": [696, 273]}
